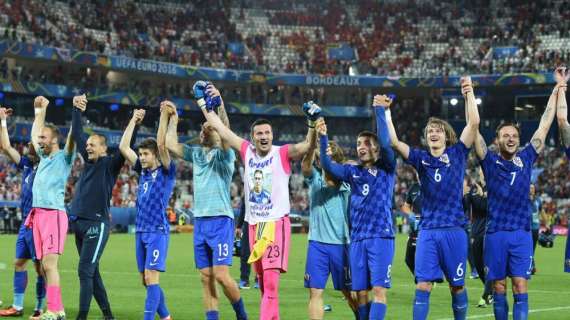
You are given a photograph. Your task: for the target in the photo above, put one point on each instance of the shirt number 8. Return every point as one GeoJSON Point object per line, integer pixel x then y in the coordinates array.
{"type": "Point", "coordinates": [365, 189]}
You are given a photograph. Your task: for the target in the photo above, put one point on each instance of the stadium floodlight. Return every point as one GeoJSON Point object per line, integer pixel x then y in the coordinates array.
{"type": "Point", "coordinates": [453, 101]}
{"type": "Point", "coordinates": [59, 102]}
{"type": "Point", "coordinates": [478, 101]}
{"type": "Point", "coordinates": [114, 107]}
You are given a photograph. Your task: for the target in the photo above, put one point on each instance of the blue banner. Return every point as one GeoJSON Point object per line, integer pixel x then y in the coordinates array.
{"type": "Point", "coordinates": [189, 72]}
{"type": "Point", "coordinates": [121, 97]}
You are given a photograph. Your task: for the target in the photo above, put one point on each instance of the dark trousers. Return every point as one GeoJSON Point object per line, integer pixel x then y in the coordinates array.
{"type": "Point", "coordinates": [411, 253]}
{"type": "Point", "coordinates": [90, 239]}
{"type": "Point", "coordinates": [244, 267]}
{"type": "Point", "coordinates": [477, 250]}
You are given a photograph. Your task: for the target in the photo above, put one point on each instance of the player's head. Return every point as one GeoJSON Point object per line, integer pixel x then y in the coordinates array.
{"type": "Point", "coordinates": [508, 138]}
{"type": "Point", "coordinates": [48, 139]}
{"type": "Point", "coordinates": [532, 190]}
{"type": "Point", "coordinates": [258, 181]}
{"type": "Point", "coordinates": [209, 137]}
{"type": "Point", "coordinates": [96, 146]}
{"type": "Point", "coordinates": [439, 134]}
{"type": "Point", "coordinates": [367, 147]}
{"type": "Point", "coordinates": [31, 153]}
{"type": "Point", "coordinates": [262, 136]}
{"type": "Point", "coordinates": [148, 153]}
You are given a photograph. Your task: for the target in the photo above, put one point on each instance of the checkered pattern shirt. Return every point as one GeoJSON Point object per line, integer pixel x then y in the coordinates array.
{"type": "Point", "coordinates": [155, 189]}
{"type": "Point", "coordinates": [441, 186]}
{"type": "Point", "coordinates": [28, 175]}
{"type": "Point", "coordinates": [508, 186]}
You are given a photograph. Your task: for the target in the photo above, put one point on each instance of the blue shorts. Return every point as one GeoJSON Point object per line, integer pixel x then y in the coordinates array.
{"type": "Point", "coordinates": [508, 254]}
{"type": "Point", "coordinates": [213, 241]}
{"type": "Point", "coordinates": [371, 263]}
{"type": "Point", "coordinates": [25, 244]}
{"type": "Point", "coordinates": [151, 249]}
{"type": "Point", "coordinates": [439, 253]}
{"type": "Point", "coordinates": [324, 259]}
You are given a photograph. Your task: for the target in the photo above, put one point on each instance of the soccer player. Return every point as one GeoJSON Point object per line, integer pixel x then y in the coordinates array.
{"type": "Point", "coordinates": [371, 230]}
{"type": "Point", "coordinates": [212, 169]}
{"type": "Point", "coordinates": [269, 225]}
{"type": "Point", "coordinates": [157, 176]}
{"type": "Point", "coordinates": [442, 242]}
{"type": "Point", "coordinates": [47, 218]}
{"type": "Point", "coordinates": [328, 230]}
{"type": "Point", "coordinates": [564, 127]}
{"type": "Point", "coordinates": [25, 243]}
{"type": "Point", "coordinates": [90, 210]}
{"type": "Point", "coordinates": [508, 241]}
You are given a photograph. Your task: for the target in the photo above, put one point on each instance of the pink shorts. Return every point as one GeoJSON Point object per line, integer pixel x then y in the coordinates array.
{"type": "Point", "coordinates": [49, 227]}
{"type": "Point", "coordinates": [276, 256]}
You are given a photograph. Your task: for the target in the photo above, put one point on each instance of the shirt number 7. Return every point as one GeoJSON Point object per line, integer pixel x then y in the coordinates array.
{"type": "Point", "coordinates": [514, 174]}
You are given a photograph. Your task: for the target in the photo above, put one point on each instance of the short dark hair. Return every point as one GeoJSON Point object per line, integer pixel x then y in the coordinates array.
{"type": "Point", "coordinates": [54, 130]}
{"type": "Point", "coordinates": [369, 134]}
{"type": "Point", "coordinates": [101, 137]}
{"type": "Point", "coordinates": [258, 171]}
{"type": "Point", "coordinates": [258, 122]}
{"type": "Point", "coordinates": [149, 144]}
{"type": "Point", "coordinates": [508, 124]}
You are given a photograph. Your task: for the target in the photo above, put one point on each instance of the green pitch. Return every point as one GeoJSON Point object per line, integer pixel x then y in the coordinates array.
{"type": "Point", "coordinates": [549, 294]}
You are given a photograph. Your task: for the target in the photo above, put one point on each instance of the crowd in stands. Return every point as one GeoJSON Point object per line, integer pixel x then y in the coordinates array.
{"type": "Point", "coordinates": [398, 38]}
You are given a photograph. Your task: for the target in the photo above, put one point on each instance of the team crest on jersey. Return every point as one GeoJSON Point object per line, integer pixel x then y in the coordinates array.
{"type": "Point", "coordinates": [444, 158]}
{"type": "Point", "coordinates": [373, 171]}
{"type": "Point", "coordinates": [518, 162]}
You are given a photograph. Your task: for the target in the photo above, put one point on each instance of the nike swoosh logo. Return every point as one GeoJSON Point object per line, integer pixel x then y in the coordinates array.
{"type": "Point", "coordinates": [153, 264]}
{"type": "Point", "coordinates": [457, 279]}
{"type": "Point", "coordinates": [355, 176]}
{"type": "Point", "coordinates": [499, 163]}
{"type": "Point", "coordinates": [425, 163]}
{"type": "Point", "coordinates": [221, 259]}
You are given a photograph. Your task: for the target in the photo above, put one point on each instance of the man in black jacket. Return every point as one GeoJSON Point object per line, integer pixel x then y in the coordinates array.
{"type": "Point", "coordinates": [90, 209]}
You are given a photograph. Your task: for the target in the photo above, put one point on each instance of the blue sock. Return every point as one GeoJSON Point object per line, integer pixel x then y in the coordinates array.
{"type": "Point", "coordinates": [212, 315]}
{"type": "Point", "coordinates": [162, 309]}
{"type": "Point", "coordinates": [239, 308]}
{"type": "Point", "coordinates": [500, 306]}
{"type": "Point", "coordinates": [377, 311]}
{"type": "Point", "coordinates": [363, 311]}
{"type": "Point", "coordinates": [421, 305]}
{"type": "Point", "coordinates": [40, 292]}
{"type": "Point", "coordinates": [520, 306]}
{"type": "Point", "coordinates": [152, 301]}
{"type": "Point", "coordinates": [20, 284]}
{"type": "Point", "coordinates": [459, 305]}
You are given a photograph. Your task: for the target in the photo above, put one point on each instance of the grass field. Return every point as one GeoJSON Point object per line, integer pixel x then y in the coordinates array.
{"type": "Point", "coordinates": [549, 289]}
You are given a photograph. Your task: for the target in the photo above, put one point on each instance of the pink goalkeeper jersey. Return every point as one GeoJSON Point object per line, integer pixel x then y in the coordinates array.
{"type": "Point", "coordinates": [266, 183]}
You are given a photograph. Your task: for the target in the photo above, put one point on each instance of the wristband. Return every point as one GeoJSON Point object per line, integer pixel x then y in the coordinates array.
{"type": "Point", "coordinates": [388, 114]}
{"type": "Point", "coordinates": [4, 123]}
{"type": "Point", "coordinates": [201, 103]}
{"type": "Point", "coordinates": [37, 110]}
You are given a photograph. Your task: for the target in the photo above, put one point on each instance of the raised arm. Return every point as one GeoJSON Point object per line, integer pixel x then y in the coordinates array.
{"type": "Point", "coordinates": [402, 148]}
{"type": "Point", "coordinates": [161, 138]}
{"type": "Point", "coordinates": [79, 102]}
{"type": "Point", "coordinates": [174, 147]}
{"type": "Point", "coordinates": [312, 111]}
{"type": "Point", "coordinates": [539, 135]}
{"type": "Point", "coordinates": [338, 171]}
{"type": "Point", "coordinates": [380, 104]}
{"type": "Point", "coordinates": [214, 93]}
{"type": "Point", "coordinates": [480, 146]}
{"type": "Point", "coordinates": [40, 109]}
{"type": "Point", "coordinates": [562, 111]}
{"type": "Point", "coordinates": [5, 139]}
{"type": "Point", "coordinates": [309, 157]}
{"type": "Point", "coordinates": [124, 146]}
{"type": "Point", "coordinates": [229, 138]}
{"type": "Point", "coordinates": [79, 106]}
{"type": "Point", "coordinates": [471, 130]}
